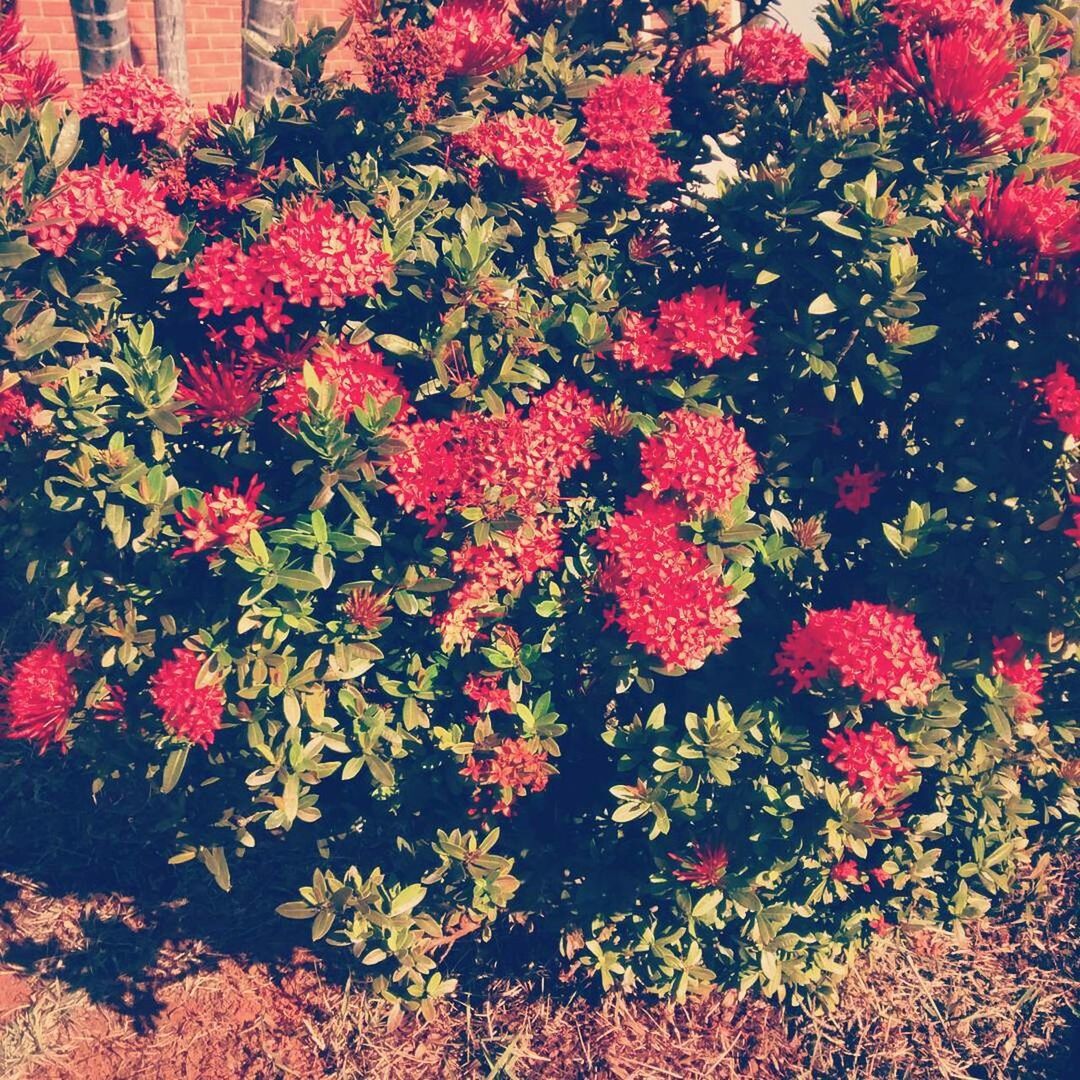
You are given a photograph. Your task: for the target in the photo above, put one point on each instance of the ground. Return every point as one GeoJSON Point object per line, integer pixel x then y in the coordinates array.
{"type": "Point", "coordinates": [112, 967]}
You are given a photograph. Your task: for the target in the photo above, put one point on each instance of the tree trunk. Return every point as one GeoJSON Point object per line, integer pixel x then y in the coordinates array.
{"type": "Point", "coordinates": [267, 19]}
{"type": "Point", "coordinates": [171, 35]}
{"type": "Point", "coordinates": [102, 34]}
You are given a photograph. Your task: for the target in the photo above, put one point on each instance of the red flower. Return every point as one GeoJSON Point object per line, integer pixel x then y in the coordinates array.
{"type": "Point", "coordinates": [621, 116]}
{"type": "Point", "coordinates": [706, 325]}
{"type": "Point", "coordinates": [1026, 218]}
{"type": "Point", "coordinates": [512, 463]}
{"type": "Point", "coordinates": [855, 488]}
{"type": "Point", "coordinates": [314, 255]}
{"type": "Point", "coordinates": [704, 459]}
{"type": "Point", "coordinates": [624, 109]}
{"type": "Point", "coordinates": [223, 393]}
{"type": "Point", "coordinates": [873, 762]}
{"type": "Point", "coordinates": [1061, 394]}
{"type": "Point", "coordinates": [871, 91]}
{"type": "Point", "coordinates": [1064, 109]}
{"type": "Point", "coordinates": [138, 100]}
{"type": "Point", "coordinates": [846, 871]}
{"type": "Point", "coordinates": [642, 345]}
{"type": "Point", "coordinates": [14, 412]}
{"type": "Point", "coordinates": [868, 646]}
{"type": "Point", "coordinates": [771, 56]}
{"type": "Point", "coordinates": [705, 866]}
{"type": "Point", "coordinates": [407, 65]}
{"type": "Point", "coordinates": [514, 767]}
{"type": "Point", "coordinates": [357, 374]}
{"type": "Point", "coordinates": [476, 36]}
{"type": "Point", "coordinates": [670, 598]}
{"type": "Point", "coordinates": [39, 697]}
{"type": "Point", "coordinates": [225, 517]}
{"type": "Point", "coordinates": [189, 707]}
{"type": "Point", "coordinates": [967, 82]}
{"type": "Point", "coordinates": [103, 196]}
{"type": "Point", "coordinates": [367, 608]}
{"type": "Point", "coordinates": [488, 693]}
{"type": "Point", "coordinates": [530, 148]}
{"type": "Point", "coordinates": [919, 17]}
{"type": "Point", "coordinates": [1023, 672]}
{"type": "Point", "coordinates": [24, 82]}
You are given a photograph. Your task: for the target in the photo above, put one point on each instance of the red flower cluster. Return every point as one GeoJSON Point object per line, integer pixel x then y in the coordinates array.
{"type": "Point", "coordinates": [135, 99]}
{"type": "Point", "coordinates": [705, 866]}
{"type": "Point", "coordinates": [475, 36]}
{"type": "Point", "coordinates": [528, 147]}
{"type": "Point", "coordinates": [1030, 218]}
{"type": "Point", "coordinates": [222, 394]}
{"type": "Point", "coordinates": [366, 608]}
{"type": "Point", "coordinates": [24, 82]}
{"type": "Point", "coordinates": [501, 567]}
{"type": "Point", "coordinates": [1061, 395]}
{"type": "Point", "coordinates": [706, 460]}
{"type": "Point", "coordinates": [14, 412]}
{"type": "Point", "coordinates": [103, 196]}
{"type": "Point", "coordinates": [39, 697]}
{"type": "Point", "coordinates": [514, 767]}
{"type": "Point", "coordinates": [407, 65]}
{"type": "Point", "coordinates": [1064, 109]}
{"type": "Point", "coordinates": [967, 81]}
{"type": "Point", "coordinates": [188, 709]}
{"type": "Point", "coordinates": [506, 464]}
{"type": "Point", "coordinates": [488, 693]}
{"type": "Point", "coordinates": [855, 488]}
{"type": "Point", "coordinates": [868, 646]}
{"type": "Point", "coordinates": [914, 18]}
{"type": "Point", "coordinates": [705, 324]}
{"type": "Point", "coordinates": [621, 117]}
{"type": "Point", "coordinates": [769, 55]}
{"type": "Point", "coordinates": [872, 761]}
{"type": "Point", "coordinates": [671, 600]}
{"type": "Point", "coordinates": [1023, 672]}
{"type": "Point", "coordinates": [314, 255]}
{"type": "Point", "coordinates": [357, 373]}
{"type": "Point", "coordinates": [226, 516]}
{"type": "Point", "coordinates": [702, 323]}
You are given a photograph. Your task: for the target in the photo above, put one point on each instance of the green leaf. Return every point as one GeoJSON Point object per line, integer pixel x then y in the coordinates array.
{"type": "Point", "coordinates": [174, 767]}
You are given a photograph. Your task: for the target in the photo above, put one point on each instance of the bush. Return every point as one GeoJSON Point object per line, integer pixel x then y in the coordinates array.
{"type": "Point", "coordinates": [668, 575]}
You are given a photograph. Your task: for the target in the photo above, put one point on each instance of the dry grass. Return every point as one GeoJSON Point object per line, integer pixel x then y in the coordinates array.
{"type": "Point", "coordinates": [994, 1004]}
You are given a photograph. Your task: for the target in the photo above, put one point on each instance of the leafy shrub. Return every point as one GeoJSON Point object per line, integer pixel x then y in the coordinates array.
{"type": "Point", "coordinates": [672, 575]}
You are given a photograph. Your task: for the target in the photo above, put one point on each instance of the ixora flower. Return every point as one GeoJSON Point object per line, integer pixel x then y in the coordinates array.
{"type": "Point", "coordinates": [771, 56]}
{"type": "Point", "coordinates": [1060, 392]}
{"type": "Point", "coordinates": [190, 706]}
{"type": "Point", "coordinates": [476, 36]}
{"type": "Point", "coordinates": [357, 373]}
{"type": "Point", "coordinates": [515, 768]}
{"type": "Point", "coordinates": [24, 82]}
{"type": "Point", "coordinates": [528, 147]}
{"type": "Point", "coordinates": [135, 99]}
{"type": "Point", "coordinates": [855, 488]}
{"type": "Point", "coordinates": [222, 394]}
{"type": "Point", "coordinates": [1023, 672]}
{"type": "Point", "coordinates": [1033, 218]}
{"type": "Point", "coordinates": [705, 324]}
{"type": "Point", "coordinates": [869, 646]}
{"type": "Point", "coordinates": [38, 698]}
{"type": "Point", "coordinates": [488, 693]}
{"type": "Point", "coordinates": [968, 81]}
{"type": "Point", "coordinates": [366, 608]}
{"type": "Point", "coordinates": [669, 598]}
{"type": "Point", "coordinates": [872, 760]}
{"type": "Point", "coordinates": [14, 412]}
{"type": "Point", "coordinates": [919, 17]}
{"type": "Point", "coordinates": [314, 256]}
{"type": "Point", "coordinates": [226, 516]}
{"type": "Point", "coordinates": [103, 196]}
{"type": "Point", "coordinates": [704, 459]}
{"type": "Point", "coordinates": [642, 344]}
{"type": "Point", "coordinates": [705, 865]}
{"type": "Point", "coordinates": [622, 114]}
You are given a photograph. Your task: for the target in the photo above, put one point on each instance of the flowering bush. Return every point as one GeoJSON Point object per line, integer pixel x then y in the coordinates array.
{"type": "Point", "coordinates": [671, 578]}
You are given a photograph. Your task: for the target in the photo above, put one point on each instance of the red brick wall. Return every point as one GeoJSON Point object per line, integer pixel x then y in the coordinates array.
{"type": "Point", "coordinates": [213, 38]}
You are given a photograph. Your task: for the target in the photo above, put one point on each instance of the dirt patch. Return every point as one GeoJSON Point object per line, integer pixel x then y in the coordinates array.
{"type": "Point", "coordinates": [16, 992]}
